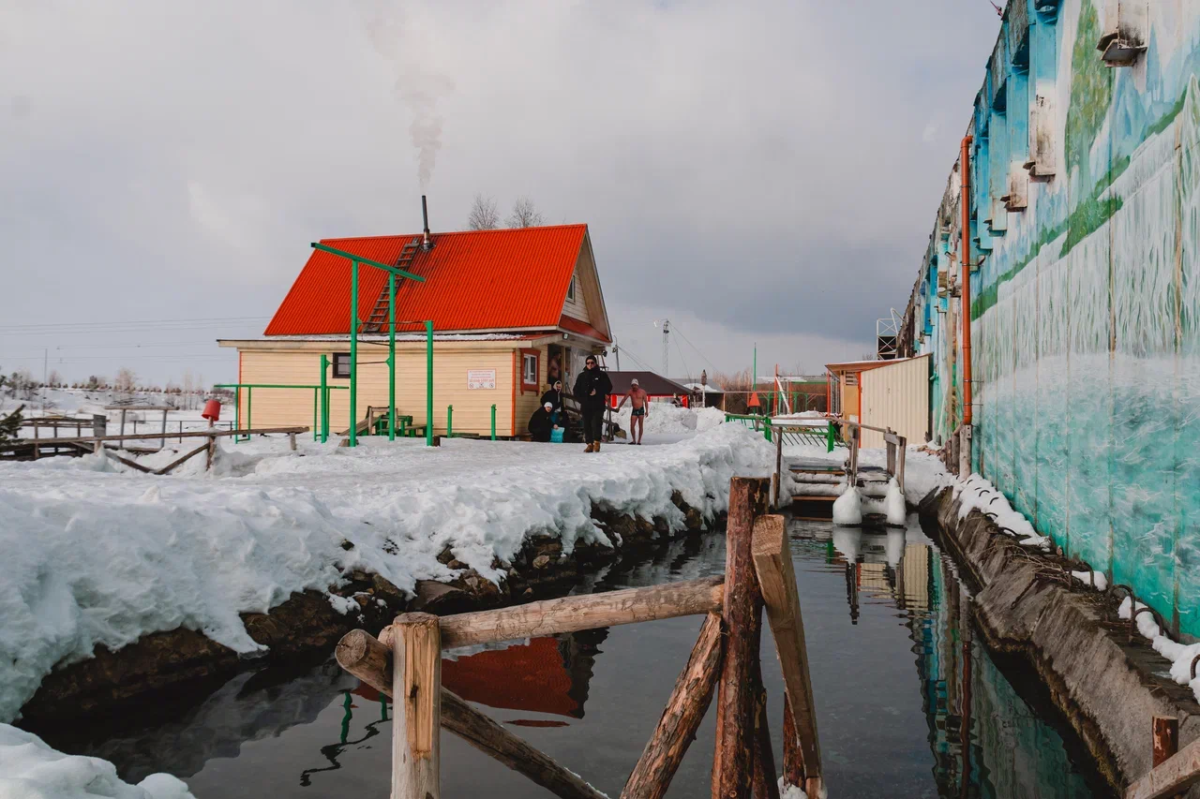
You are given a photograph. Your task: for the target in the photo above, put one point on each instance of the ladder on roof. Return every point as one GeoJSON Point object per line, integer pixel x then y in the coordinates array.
{"type": "Point", "coordinates": [378, 319]}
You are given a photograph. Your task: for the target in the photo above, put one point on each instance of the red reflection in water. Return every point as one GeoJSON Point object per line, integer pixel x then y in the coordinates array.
{"type": "Point", "coordinates": [528, 677]}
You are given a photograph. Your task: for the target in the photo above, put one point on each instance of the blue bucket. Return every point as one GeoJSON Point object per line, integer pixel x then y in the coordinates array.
{"type": "Point", "coordinates": [556, 436]}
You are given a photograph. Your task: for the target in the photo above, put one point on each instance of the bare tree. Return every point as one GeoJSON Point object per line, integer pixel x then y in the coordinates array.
{"type": "Point", "coordinates": [189, 390]}
{"type": "Point", "coordinates": [55, 379]}
{"type": "Point", "coordinates": [126, 380]}
{"type": "Point", "coordinates": [524, 214]}
{"type": "Point", "coordinates": [484, 215]}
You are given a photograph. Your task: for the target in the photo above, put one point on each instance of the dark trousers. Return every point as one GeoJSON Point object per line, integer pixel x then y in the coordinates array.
{"type": "Point", "coordinates": [593, 423]}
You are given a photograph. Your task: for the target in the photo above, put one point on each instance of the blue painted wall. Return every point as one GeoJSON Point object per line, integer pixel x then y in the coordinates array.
{"type": "Point", "coordinates": [1085, 308]}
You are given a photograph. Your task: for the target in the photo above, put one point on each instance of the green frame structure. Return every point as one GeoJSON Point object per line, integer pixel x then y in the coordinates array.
{"type": "Point", "coordinates": [320, 399]}
{"type": "Point", "coordinates": [355, 323]}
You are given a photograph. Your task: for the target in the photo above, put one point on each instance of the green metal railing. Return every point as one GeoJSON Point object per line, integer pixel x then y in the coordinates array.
{"type": "Point", "coordinates": [320, 404]}
{"type": "Point", "coordinates": [795, 435]}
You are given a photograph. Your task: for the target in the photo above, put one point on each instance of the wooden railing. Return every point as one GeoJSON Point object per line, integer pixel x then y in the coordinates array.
{"type": "Point", "coordinates": [405, 663]}
{"type": "Point", "coordinates": [896, 448]}
{"type": "Point", "coordinates": [38, 448]}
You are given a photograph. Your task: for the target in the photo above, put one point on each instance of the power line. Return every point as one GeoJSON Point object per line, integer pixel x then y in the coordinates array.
{"type": "Point", "coordinates": [693, 346]}
{"type": "Point", "coordinates": [99, 325]}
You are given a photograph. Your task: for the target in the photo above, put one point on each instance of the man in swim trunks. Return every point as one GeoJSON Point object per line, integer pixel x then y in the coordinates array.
{"type": "Point", "coordinates": [640, 402]}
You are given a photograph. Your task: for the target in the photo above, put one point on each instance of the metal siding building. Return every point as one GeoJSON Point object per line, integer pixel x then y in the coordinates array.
{"type": "Point", "coordinates": [896, 396]}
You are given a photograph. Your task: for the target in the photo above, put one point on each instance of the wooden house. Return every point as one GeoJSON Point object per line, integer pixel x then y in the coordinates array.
{"type": "Point", "coordinates": [511, 309]}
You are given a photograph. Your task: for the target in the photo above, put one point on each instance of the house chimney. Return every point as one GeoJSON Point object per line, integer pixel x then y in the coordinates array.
{"type": "Point", "coordinates": [426, 241]}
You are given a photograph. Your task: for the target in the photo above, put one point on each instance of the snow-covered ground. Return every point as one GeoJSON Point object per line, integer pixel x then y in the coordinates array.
{"type": "Point", "coordinates": [83, 404]}
{"type": "Point", "coordinates": [29, 769]}
{"type": "Point", "coordinates": [666, 423]}
{"type": "Point", "coordinates": [94, 553]}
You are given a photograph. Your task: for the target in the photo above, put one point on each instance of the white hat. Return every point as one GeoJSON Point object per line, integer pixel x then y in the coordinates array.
{"type": "Point", "coordinates": [633, 382]}
{"type": "Point", "coordinates": [549, 405]}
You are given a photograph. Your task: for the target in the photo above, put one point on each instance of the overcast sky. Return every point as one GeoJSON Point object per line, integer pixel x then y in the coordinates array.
{"type": "Point", "coordinates": [759, 170]}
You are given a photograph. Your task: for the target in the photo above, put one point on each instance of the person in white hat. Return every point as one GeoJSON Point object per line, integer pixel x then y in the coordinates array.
{"type": "Point", "coordinates": [640, 402]}
{"type": "Point", "coordinates": [541, 424]}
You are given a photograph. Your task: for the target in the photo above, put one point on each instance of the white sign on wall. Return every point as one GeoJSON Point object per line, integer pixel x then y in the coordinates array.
{"type": "Point", "coordinates": [481, 378]}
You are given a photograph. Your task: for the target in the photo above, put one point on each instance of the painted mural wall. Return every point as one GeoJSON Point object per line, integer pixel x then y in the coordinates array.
{"type": "Point", "coordinates": [1085, 226]}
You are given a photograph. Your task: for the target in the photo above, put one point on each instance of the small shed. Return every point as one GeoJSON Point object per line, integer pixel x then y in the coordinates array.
{"type": "Point", "coordinates": [704, 395]}
{"type": "Point", "coordinates": [658, 387]}
{"type": "Point", "coordinates": [890, 394]}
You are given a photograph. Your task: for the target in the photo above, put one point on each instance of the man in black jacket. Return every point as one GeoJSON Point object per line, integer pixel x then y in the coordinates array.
{"type": "Point", "coordinates": [592, 388]}
{"type": "Point", "coordinates": [541, 424]}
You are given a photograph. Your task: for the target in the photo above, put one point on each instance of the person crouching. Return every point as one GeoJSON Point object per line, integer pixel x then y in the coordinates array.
{"type": "Point", "coordinates": [541, 424]}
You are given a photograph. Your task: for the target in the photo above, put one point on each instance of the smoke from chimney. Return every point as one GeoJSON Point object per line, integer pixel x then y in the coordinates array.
{"type": "Point", "coordinates": [407, 48]}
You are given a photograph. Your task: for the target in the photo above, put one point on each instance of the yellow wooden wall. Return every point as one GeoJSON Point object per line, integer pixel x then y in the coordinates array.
{"type": "Point", "coordinates": [472, 408]}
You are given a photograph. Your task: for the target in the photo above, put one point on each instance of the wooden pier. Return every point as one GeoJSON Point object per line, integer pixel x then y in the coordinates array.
{"type": "Point", "coordinates": [405, 663]}
{"type": "Point", "coordinates": [820, 473]}
{"type": "Point", "coordinates": [34, 449]}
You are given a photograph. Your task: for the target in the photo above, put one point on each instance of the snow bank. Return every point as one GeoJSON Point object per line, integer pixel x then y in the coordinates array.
{"type": "Point", "coordinates": [847, 509]}
{"type": "Point", "coordinates": [789, 791]}
{"type": "Point", "coordinates": [665, 419]}
{"type": "Point", "coordinates": [92, 553]}
{"type": "Point", "coordinates": [894, 505]}
{"type": "Point", "coordinates": [1180, 655]}
{"type": "Point", "coordinates": [1093, 579]}
{"type": "Point", "coordinates": [977, 493]}
{"type": "Point", "coordinates": [29, 769]}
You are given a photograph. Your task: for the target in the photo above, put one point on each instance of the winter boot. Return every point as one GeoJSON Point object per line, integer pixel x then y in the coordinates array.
{"type": "Point", "coordinates": [596, 447]}
{"type": "Point", "coordinates": [590, 448]}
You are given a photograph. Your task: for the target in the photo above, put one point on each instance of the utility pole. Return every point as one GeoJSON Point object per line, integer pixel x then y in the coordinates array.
{"type": "Point", "coordinates": [45, 372]}
{"type": "Point", "coordinates": [666, 346]}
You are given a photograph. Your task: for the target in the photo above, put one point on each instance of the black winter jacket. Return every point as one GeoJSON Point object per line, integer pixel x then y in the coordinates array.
{"type": "Point", "coordinates": [540, 425]}
{"type": "Point", "coordinates": [593, 379]}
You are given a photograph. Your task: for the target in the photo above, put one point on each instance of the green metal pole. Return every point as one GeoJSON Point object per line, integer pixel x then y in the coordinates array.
{"type": "Point", "coordinates": [493, 423]}
{"type": "Point", "coordinates": [391, 357]}
{"type": "Point", "coordinates": [449, 421]}
{"type": "Point", "coordinates": [429, 382]}
{"type": "Point", "coordinates": [237, 411]}
{"type": "Point", "coordinates": [354, 353]}
{"type": "Point", "coordinates": [324, 399]}
{"type": "Point", "coordinates": [315, 433]}
{"type": "Point", "coordinates": [249, 409]}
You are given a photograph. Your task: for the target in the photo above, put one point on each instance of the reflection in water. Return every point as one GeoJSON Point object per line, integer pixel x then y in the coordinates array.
{"type": "Point", "coordinates": [1011, 751]}
{"type": "Point", "coordinates": [247, 737]}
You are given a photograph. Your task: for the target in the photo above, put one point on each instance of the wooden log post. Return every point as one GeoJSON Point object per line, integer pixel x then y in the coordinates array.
{"type": "Point", "coordinates": [292, 441]}
{"type": "Point", "coordinates": [417, 719]}
{"type": "Point", "coordinates": [766, 785]}
{"type": "Point", "coordinates": [167, 469]}
{"type": "Point", "coordinates": [793, 761]}
{"type": "Point", "coordinates": [370, 660]}
{"type": "Point", "coordinates": [733, 759]}
{"type": "Point", "coordinates": [1166, 739]}
{"type": "Point", "coordinates": [773, 565]}
{"type": "Point", "coordinates": [1170, 778]}
{"type": "Point", "coordinates": [685, 710]}
{"type": "Point", "coordinates": [777, 477]}
{"type": "Point", "coordinates": [212, 453]}
{"type": "Point", "coordinates": [588, 612]}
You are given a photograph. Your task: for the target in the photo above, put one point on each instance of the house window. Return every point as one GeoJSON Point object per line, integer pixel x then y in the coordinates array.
{"type": "Point", "coordinates": [341, 364]}
{"type": "Point", "coordinates": [529, 370]}
{"type": "Point", "coordinates": [571, 290]}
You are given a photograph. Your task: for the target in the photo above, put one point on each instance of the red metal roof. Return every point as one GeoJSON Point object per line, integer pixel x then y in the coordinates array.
{"type": "Point", "coordinates": [474, 280]}
{"type": "Point", "coordinates": [582, 328]}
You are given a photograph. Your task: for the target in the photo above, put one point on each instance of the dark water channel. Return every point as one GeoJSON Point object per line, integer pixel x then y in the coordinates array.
{"type": "Point", "coordinates": [894, 671]}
